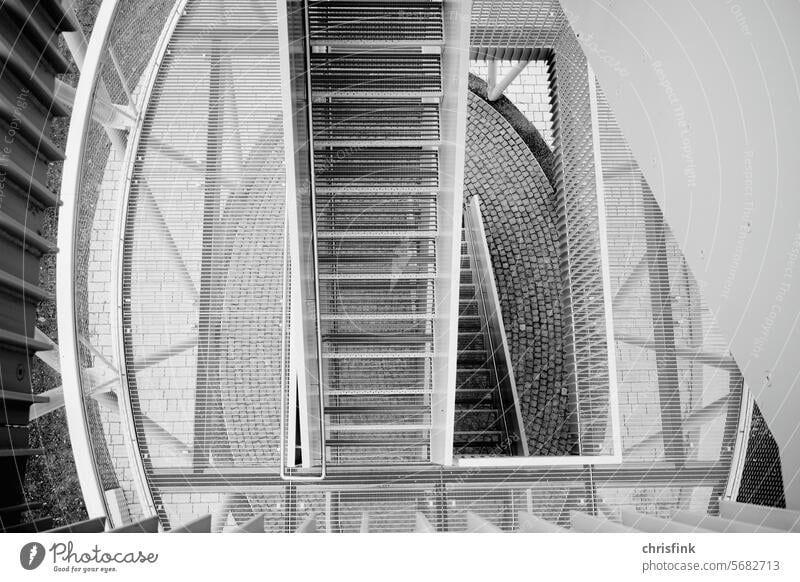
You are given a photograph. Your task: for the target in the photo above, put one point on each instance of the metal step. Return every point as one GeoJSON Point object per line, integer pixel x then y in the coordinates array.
{"type": "Point", "coordinates": [378, 316]}
{"type": "Point", "coordinates": [387, 409]}
{"type": "Point", "coordinates": [473, 435]}
{"type": "Point", "coordinates": [379, 392]}
{"type": "Point", "coordinates": [383, 427]}
{"type": "Point", "coordinates": [401, 22]}
{"type": "Point", "coordinates": [375, 443]}
{"type": "Point", "coordinates": [379, 234]}
{"type": "Point", "coordinates": [386, 143]}
{"type": "Point", "coordinates": [375, 355]}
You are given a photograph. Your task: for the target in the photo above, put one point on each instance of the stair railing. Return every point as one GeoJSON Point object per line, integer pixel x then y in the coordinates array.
{"type": "Point", "coordinates": [493, 328]}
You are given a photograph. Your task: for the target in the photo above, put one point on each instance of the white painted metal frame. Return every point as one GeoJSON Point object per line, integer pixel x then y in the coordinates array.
{"type": "Point", "coordinates": [293, 234]}
{"type": "Point", "coordinates": [80, 438]}
{"type": "Point", "coordinates": [613, 397]}
{"type": "Point", "coordinates": [495, 88]}
{"type": "Point", "coordinates": [452, 153]}
{"type": "Point", "coordinates": [613, 394]}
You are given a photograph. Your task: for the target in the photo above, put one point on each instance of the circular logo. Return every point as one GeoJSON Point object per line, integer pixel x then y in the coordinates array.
{"type": "Point", "coordinates": [31, 555]}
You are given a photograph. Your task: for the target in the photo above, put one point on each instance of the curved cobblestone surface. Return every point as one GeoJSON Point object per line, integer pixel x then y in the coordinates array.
{"type": "Point", "coordinates": [520, 217]}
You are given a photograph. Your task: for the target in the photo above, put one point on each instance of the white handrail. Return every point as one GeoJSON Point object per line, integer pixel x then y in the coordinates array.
{"type": "Point", "coordinates": [74, 402]}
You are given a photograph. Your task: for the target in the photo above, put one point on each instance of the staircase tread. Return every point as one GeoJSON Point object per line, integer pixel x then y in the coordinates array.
{"type": "Point", "coordinates": [385, 409]}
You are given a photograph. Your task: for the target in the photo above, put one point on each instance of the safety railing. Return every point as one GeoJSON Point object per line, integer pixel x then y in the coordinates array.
{"type": "Point", "coordinates": [305, 390]}
{"type": "Point", "coordinates": [107, 108]}
{"type": "Point", "coordinates": [501, 368]}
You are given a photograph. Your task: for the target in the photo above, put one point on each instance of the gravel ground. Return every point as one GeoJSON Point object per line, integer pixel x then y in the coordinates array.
{"type": "Point", "coordinates": [51, 478]}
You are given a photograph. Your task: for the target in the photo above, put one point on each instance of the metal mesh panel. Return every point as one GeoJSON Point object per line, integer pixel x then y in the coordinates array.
{"type": "Point", "coordinates": [393, 121]}
{"type": "Point", "coordinates": [514, 29]}
{"type": "Point", "coordinates": [502, 504]}
{"type": "Point", "coordinates": [359, 22]}
{"type": "Point", "coordinates": [679, 388]}
{"type": "Point", "coordinates": [762, 478]}
{"type": "Point", "coordinates": [204, 250]}
{"type": "Point", "coordinates": [587, 354]}
{"type": "Point", "coordinates": [390, 74]}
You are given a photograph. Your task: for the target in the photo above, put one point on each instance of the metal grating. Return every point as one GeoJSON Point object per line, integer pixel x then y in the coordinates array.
{"type": "Point", "coordinates": [762, 478]}
{"type": "Point", "coordinates": [203, 263]}
{"type": "Point", "coordinates": [393, 121]}
{"type": "Point", "coordinates": [515, 30]}
{"type": "Point", "coordinates": [586, 351]}
{"type": "Point", "coordinates": [665, 332]}
{"type": "Point", "coordinates": [407, 22]}
{"type": "Point", "coordinates": [376, 167]}
{"type": "Point", "coordinates": [376, 74]}
{"type": "Point", "coordinates": [375, 116]}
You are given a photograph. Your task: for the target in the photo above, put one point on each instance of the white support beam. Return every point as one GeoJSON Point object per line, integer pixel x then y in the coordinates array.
{"type": "Point", "coordinates": [450, 200]}
{"type": "Point", "coordinates": [492, 76]}
{"type": "Point", "coordinates": [55, 401]}
{"type": "Point", "coordinates": [110, 115]}
{"type": "Point", "coordinates": [495, 89]}
{"type": "Point", "coordinates": [51, 356]}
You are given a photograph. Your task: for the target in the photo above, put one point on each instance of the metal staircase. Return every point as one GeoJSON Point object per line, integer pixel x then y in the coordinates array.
{"type": "Point", "coordinates": [480, 428]}
{"type": "Point", "coordinates": [375, 79]}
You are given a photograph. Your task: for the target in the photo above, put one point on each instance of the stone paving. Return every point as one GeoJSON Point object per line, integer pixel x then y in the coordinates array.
{"type": "Point", "coordinates": [520, 217]}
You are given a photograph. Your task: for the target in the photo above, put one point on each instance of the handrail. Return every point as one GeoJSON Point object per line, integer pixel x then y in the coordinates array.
{"type": "Point", "coordinates": [74, 403]}
{"type": "Point", "coordinates": [494, 330]}
{"type": "Point", "coordinates": [739, 453]}
{"type": "Point", "coordinates": [286, 74]}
